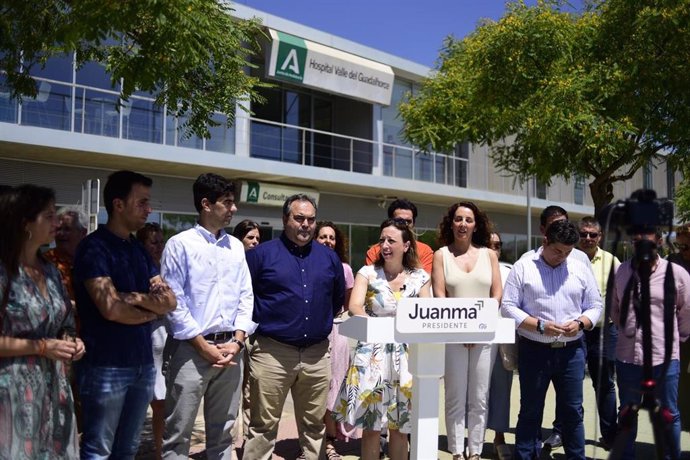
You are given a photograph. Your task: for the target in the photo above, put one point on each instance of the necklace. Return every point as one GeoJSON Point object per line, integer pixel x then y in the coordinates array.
{"type": "Point", "coordinates": [390, 277]}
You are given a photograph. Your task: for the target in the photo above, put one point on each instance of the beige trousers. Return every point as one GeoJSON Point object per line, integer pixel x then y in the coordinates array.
{"type": "Point", "coordinates": [274, 369]}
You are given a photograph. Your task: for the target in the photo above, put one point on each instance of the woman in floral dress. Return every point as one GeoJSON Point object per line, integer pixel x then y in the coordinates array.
{"type": "Point", "coordinates": [36, 406]}
{"type": "Point", "coordinates": [377, 391]}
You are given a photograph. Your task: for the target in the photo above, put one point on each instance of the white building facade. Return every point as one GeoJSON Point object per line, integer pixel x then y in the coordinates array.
{"type": "Point", "coordinates": [329, 127]}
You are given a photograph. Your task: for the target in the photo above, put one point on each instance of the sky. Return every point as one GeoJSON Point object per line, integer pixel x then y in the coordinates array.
{"type": "Point", "coordinates": [413, 30]}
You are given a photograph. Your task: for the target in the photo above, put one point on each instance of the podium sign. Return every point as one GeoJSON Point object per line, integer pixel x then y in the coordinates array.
{"type": "Point", "coordinates": [446, 315]}
{"type": "Point", "coordinates": [427, 324]}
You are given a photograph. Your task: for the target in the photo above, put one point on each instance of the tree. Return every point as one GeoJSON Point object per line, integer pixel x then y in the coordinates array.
{"type": "Point", "coordinates": [557, 93]}
{"type": "Point", "coordinates": [191, 54]}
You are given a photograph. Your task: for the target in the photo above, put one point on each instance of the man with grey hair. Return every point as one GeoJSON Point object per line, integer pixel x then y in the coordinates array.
{"type": "Point", "coordinates": [72, 228]}
{"type": "Point", "coordinates": [298, 287]}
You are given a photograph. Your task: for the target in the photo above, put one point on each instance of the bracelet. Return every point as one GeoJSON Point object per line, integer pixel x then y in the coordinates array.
{"type": "Point", "coordinates": [42, 345]}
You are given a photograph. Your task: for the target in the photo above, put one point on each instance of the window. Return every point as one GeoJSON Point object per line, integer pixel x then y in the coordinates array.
{"type": "Point", "coordinates": [647, 181]}
{"type": "Point", "coordinates": [539, 189]}
{"type": "Point", "coordinates": [579, 197]}
{"type": "Point", "coordinates": [670, 181]}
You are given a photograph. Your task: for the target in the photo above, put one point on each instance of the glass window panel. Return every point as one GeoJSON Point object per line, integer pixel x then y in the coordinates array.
{"type": "Point", "coordinates": [99, 113]}
{"type": "Point", "coordinates": [222, 137]}
{"type": "Point", "coordinates": [56, 68]}
{"type": "Point", "coordinates": [173, 224]}
{"type": "Point", "coordinates": [50, 108]}
{"type": "Point", "coordinates": [265, 141]}
{"type": "Point", "coordinates": [8, 106]}
{"type": "Point", "coordinates": [144, 122]}
{"type": "Point", "coordinates": [361, 238]}
{"type": "Point", "coordinates": [94, 75]}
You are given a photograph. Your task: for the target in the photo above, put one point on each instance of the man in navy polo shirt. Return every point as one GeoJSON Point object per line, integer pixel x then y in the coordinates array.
{"type": "Point", "coordinates": [298, 286]}
{"type": "Point", "coordinates": [118, 293]}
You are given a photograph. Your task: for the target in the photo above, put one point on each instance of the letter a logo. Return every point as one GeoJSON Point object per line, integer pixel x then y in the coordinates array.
{"type": "Point", "coordinates": [291, 62]}
{"type": "Point", "coordinates": [291, 58]}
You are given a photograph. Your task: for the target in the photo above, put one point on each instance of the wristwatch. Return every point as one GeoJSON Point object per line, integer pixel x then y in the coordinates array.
{"type": "Point", "coordinates": [581, 323]}
{"type": "Point", "coordinates": [239, 343]}
{"type": "Point", "coordinates": [541, 325]}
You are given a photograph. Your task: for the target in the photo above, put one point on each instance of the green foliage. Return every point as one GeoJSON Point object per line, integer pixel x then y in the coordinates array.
{"type": "Point", "coordinates": [191, 54]}
{"type": "Point", "coordinates": [557, 93]}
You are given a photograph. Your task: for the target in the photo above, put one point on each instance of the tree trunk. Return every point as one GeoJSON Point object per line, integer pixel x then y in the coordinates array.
{"type": "Point", "coordinates": [601, 189]}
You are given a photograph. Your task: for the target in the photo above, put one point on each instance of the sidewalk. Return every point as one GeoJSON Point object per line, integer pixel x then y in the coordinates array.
{"type": "Point", "coordinates": [287, 447]}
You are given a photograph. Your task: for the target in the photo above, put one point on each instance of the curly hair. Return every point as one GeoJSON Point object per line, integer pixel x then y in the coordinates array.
{"type": "Point", "coordinates": [341, 242]}
{"type": "Point", "coordinates": [482, 229]}
{"type": "Point", "coordinates": [410, 258]}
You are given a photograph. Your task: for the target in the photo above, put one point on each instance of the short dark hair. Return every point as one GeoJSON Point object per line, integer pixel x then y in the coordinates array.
{"type": "Point", "coordinates": [410, 258]}
{"type": "Point", "coordinates": [482, 234]}
{"type": "Point", "coordinates": [297, 197]}
{"type": "Point", "coordinates": [403, 203]}
{"type": "Point", "coordinates": [340, 239]}
{"type": "Point", "coordinates": [211, 186]}
{"type": "Point", "coordinates": [564, 232]}
{"type": "Point", "coordinates": [244, 227]}
{"type": "Point", "coordinates": [19, 206]}
{"type": "Point", "coordinates": [119, 185]}
{"type": "Point", "coordinates": [589, 221]}
{"type": "Point", "coordinates": [551, 211]}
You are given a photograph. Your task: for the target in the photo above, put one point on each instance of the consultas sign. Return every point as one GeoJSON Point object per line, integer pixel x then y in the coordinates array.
{"type": "Point", "coordinates": [299, 61]}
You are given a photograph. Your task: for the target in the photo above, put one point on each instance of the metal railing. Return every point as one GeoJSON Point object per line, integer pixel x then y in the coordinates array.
{"type": "Point", "coordinates": [89, 110]}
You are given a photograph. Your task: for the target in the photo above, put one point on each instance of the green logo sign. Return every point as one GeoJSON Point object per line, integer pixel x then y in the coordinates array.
{"type": "Point", "coordinates": [253, 192]}
{"type": "Point", "coordinates": [292, 57]}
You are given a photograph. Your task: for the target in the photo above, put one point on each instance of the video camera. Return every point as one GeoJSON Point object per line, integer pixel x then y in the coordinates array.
{"type": "Point", "coordinates": [643, 210]}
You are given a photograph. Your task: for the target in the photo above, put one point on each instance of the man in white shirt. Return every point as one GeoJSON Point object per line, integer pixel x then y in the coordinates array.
{"type": "Point", "coordinates": [207, 271]}
{"type": "Point", "coordinates": [553, 298]}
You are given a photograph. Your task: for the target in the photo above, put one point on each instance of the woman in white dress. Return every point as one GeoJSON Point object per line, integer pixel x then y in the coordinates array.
{"type": "Point", "coordinates": [377, 391]}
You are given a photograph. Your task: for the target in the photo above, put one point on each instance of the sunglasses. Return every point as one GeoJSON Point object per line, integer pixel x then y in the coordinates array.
{"type": "Point", "coordinates": [399, 220]}
{"type": "Point", "coordinates": [589, 234]}
{"type": "Point", "coordinates": [681, 246]}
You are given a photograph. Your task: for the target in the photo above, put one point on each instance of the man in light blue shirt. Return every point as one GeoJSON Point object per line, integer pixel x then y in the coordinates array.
{"type": "Point", "coordinates": [553, 298]}
{"type": "Point", "coordinates": [207, 271]}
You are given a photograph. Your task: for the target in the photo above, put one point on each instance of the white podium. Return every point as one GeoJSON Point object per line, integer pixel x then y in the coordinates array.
{"type": "Point", "coordinates": [427, 325]}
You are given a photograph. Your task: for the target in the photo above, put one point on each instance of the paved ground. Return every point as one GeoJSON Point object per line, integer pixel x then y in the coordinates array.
{"type": "Point", "coordinates": [287, 447]}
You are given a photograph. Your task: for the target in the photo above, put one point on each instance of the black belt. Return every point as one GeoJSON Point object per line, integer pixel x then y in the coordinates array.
{"type": "Point", "coordinates": [219, 336]}
{"type": "Point", "coordinates": [556, 344]}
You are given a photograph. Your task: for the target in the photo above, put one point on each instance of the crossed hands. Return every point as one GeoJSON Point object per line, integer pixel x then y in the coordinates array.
{"type": "Point", "coordinates": [567, 329]}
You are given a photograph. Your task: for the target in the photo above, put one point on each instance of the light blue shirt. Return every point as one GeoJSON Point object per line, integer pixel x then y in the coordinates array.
{"type": "Point", "coordinates": [211, 281]}
{"type": "Point", "coordinates": [559, 294]}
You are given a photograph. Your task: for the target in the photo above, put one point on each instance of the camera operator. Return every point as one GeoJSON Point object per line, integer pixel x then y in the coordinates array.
{"type": "Point", "coordinates": [630, 352]}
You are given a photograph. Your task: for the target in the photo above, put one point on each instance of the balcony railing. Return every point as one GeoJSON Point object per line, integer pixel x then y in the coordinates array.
{"type": "Point", "coordinates": [295, 144]}
{"type": "Point", "coordinates": [88, 110]}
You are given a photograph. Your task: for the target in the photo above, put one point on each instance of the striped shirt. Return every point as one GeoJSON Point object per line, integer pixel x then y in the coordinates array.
{"type": "Point", "coordinates": [559, 294]}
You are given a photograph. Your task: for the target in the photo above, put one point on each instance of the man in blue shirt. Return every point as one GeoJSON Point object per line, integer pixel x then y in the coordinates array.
{"type": "Point", "coordinates": [298, 287]}
{"type": "Point", "coordinates": [118, 293]}
{"type": "Point", "coordinates": [206, 269]}
{"type": "Point", "coordinates": [553, 298]}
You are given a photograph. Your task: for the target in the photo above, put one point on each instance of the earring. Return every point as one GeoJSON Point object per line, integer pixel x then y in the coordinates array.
{"type": "Point", "coordinates": [30, 235]}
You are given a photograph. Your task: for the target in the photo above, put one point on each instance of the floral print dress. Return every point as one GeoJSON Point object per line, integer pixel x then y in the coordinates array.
{"type": "Point", "coordinates": [377, 390]}
{"type": "Point", "coordinates": [36, 406]}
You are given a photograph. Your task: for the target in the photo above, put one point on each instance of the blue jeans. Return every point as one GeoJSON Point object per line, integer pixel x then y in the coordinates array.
{"type": "Point", "coordinates": [114, 403]}
{"type": "Point", "coordinates": [629, 383]}
{"type": "Point", "coordinates": [539, 365]}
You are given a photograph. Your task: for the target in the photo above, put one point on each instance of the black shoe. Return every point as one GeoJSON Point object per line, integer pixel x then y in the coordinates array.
{"type": "Point", "coordinates": [553, 442]}
{"type": "Point", "coordinates": [605, 444]}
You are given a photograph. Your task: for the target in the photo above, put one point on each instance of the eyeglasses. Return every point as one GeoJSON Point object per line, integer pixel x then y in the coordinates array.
{"type": "Point", "coordinates": [589, 234]}
{"type": "Point", "coordinates": [495, 245]}
{"type": "Point", "coordinates": [681, 246]}
{"type": "Point", "coordinates": [301, 219]}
